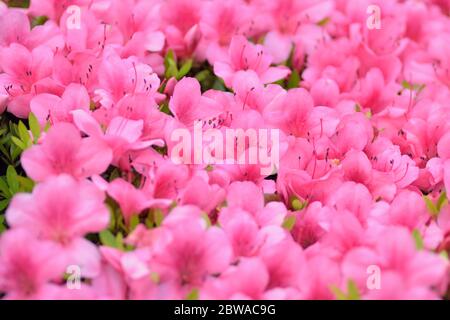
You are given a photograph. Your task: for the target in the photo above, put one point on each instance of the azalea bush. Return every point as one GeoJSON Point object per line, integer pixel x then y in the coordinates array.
{"type": "Point", "coordinates": [98, 201]}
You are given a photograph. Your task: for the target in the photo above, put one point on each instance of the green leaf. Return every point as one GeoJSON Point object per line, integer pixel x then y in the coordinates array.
{"type": "Point", "coordinates": [18, 143]}
{"type": "Point", "coordinates": [120, 223]}
{"type": "Point", "coordinates": [158, 216]}
{"type": "Point", "coordinates": [4, 189]}
{"type": "Point", "coordinates": [172, 70]}
{"type": "Point", "coordinates": [290, 60]}
{"type": "Point", "coordinates": [112, 216]}
{"type": "Point", "coordinates": [219, 85]}
{"type": "Point", "coordinates": [15, 152]}
{"type": "Point", "coordinates": [161, 150]}
{"type": "Point", "coordinates": [289, 222]}
{"type": "Point", "coordinates": [169, 56]}
{"type": "Point", "coordinates": [338, 293]}
{"type": "Point", "coordinates": [108, 239]}
{"type": "Point", "coordinates": [203, 75]}
{"type": "Point", "coordinates": [418, 239]}
{"type": "Point", "coordinates": [352, 292]}
{"type": "Point", "coordinates": [193, 295]}
{"type": "Point", "coordinates": [170, 65]}
{"type": "Point", "coordinates": [2, 224]}
{"type": "Point", "coordinates": [119, 241]}
{"type": "Point", "coordinates": [431, 206]}
{"type": "Point", "coordinates": [442, 201]}
{"type": "Point", "coordinates": [26, 184]}
{"type": "Point", "coordinates": [11, 179]}
{"type": "Point", "coordinates": [13, 128]}
{"type": "Point", "coordinates": [185, 68]}
{"type": "Point", "coordinates": [165, 108]}
{"type": "Point", "coordinates": [294, 80]}
{"type": "Point", "coordinates": [149, 221]}
{"type": "Point", "coordinates": [3, 204]}
{"type": "Point", "coordinates": [207, 219]}
{"type": "Point", "coordinates": [134, 221]}
{"type": "Point", "coordinates": [19, 3]}
{"type": "Point", "coordinates": [24, 134]}
{"type": "Point", "coordinates": [38, 21]}
{"type": "Point", "coordinates": [47, 126]}
{"type": "Point", "coordinates": [35, 128]}
{"type": "Point", "coordinates": [114, 174]}
{"type": "Point", "coordinates": [279, 82]}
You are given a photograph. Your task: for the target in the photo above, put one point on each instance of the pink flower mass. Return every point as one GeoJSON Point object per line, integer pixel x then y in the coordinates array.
{"type": "Point", "coordinates": [93, 205]}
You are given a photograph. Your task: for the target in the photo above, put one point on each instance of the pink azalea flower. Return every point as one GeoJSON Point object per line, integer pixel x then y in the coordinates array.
{"type": "Point", "coordinates": [64, 220]}
{"type": "Point", "coordinates": [26, 73]}
{"type": "Point", "coordinates": [138, 24]}
{"type": "Point", "coordinates": [291, 111]}
{"type": "Point", "coordinates": [405, 272]}
{"type": "Point", "coordinates": [63, 150]}
{"type": "Point", "coordinates": [220, 21]}
{"type": "Point", "coordinates": [239, 193]}
{"type": "Point", "coordinates": [286, 17]}
{"type": "Point", "coordinates": [284, 261]}
{"type": "Point", "coordinates": [29, 267]}
{"type": "Point", "coordinates": [244, 55]}
{"type": "Point", "coordinates": [16, 29]}
{"type": "Point", "coordinates": [353, 132]}
{"type": "Point", "coordinates": [361, 184]}
{"type": "Point", "coordinates": [131, 200]}
{"type": "Point", "coordinates": [118, 77]}
{"type": "Point", "coordinates": [345, 233]}
{"type": "Point", "coordinates": [247, 280]}
{"type": "Point", "coordinates": [122, 135]}
{"type": "Point", "coordinates": [200, 193]}
{"type": "Point", "coordinates": [408, 209]}
{"type": "Point", "coordinates": [52, 8]}
{"type": "Point", "coordinates": [180, 19]}
{"type": "Point", "coordinates": [388, 159]}
{"type": "Point", "coordinates": [246, 237]}
{"type": "Point", "coordinates": [359, 206]}
{"type": "Point", "coordinates": [357, 167]}
{"type": "Point", "coordinates": [48, 107]}
{"type": "Point", "coordinates": [320, 273]}
{"type": "Point", "coordinates": [311, 225]}
{"type": "Point", "coordinates": [164, 179]}
{"type": "Point", "coordinates": [186, 260]}
{"type": "Point", "coordinates": [188, 105]}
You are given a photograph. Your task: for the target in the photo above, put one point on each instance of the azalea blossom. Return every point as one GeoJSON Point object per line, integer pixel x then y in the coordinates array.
{"type": "Point", "coordinates": [239, 149]}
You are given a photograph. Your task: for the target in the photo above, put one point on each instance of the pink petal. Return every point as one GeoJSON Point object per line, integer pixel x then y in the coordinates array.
{"type": "Point", "coordinates": [86, 123]}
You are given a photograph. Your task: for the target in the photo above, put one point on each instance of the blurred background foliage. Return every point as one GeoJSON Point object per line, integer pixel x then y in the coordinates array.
{"type": "Point", "coordinates": [17, 3]}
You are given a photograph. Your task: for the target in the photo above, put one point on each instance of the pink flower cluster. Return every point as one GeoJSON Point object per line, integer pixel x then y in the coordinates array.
{"type": "Point", "coordinates": [357, 207]}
